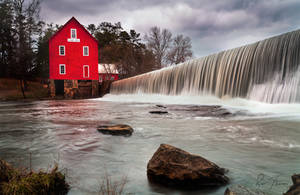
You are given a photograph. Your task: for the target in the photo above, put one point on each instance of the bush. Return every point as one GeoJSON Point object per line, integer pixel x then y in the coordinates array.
{"type": "Point", "coordinates": [13, 181]}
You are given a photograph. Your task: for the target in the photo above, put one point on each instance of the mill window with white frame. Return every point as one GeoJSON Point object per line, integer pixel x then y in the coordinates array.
{"type": "Point", "coordinates": [62, 69]}
{"type": "Point", "coordinates": [85, 50]}
{"type": "Point", "coordinates": [73, 33]}
{"type": "Point", "coordinates": [62, 50]}
{"type": "Point", "coordinates": [73, 38]}
{"type": "Point", "coordinates": [86, 71]}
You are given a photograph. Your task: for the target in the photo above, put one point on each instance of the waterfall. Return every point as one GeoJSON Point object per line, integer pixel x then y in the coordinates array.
{"type": "Point", "coordinates": [265, 71]}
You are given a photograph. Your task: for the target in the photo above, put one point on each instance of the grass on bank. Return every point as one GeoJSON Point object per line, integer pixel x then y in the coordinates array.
{"type": "Point", "coordinates": [14, 181]}
{"type": "Point", "coordinates": [110, 187]}
{"type": "Point", "coordinates": [10, 90]}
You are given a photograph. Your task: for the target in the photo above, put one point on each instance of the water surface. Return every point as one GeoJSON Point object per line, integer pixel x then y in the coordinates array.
{"type": "Point", "coordinates": [259, 145]}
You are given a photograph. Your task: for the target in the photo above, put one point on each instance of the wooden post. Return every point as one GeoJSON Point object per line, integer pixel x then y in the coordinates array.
{"type": "Point", "coordinates": [95, 88]}
{"type": "Point", "coordinates": [52, 88]}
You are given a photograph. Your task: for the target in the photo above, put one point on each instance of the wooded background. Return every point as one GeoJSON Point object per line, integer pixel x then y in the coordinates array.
{"type": "Point", "coordinates": [24, 53]}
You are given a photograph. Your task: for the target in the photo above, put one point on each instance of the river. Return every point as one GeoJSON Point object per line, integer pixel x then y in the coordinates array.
{"type": "Point", "coordinates": [259, 144]}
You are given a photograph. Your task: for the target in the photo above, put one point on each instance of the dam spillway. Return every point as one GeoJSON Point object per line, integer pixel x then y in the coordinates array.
{"type": "Point", "coordinates": [264, 71]}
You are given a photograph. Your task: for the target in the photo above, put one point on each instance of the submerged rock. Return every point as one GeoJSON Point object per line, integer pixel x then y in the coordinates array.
{"type": "Point", "coordinates": [172, 166]}
{"type": "Point", "coordinates": [295, 188]}
{"type": "Point", "coordinates": [193, 110]}
{"type": "Point", "coordinates": [160, 106]}
{"type": "Point", "coordinates": [115, 129]}
{"type": "Point", "coordinates": [201, 111]}
{"type": "Point", "coordinates": [158, 112]}
{"type": "Point", "coordinates": [241, 190]}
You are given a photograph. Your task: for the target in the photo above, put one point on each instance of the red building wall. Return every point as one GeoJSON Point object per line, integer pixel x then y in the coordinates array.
{"type": "Point", "coordinates": [73, 58]}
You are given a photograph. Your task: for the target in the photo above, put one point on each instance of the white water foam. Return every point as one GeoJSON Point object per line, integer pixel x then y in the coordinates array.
{"type": "Point", "coordinates": [278, 90]}
{"type": "Point", "coordinates": [232, 104]}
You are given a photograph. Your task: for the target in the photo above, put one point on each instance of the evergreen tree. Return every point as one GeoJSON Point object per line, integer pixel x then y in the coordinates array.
{"type": "Point", "coordinates": [42, 57]}
{"type": "Point", "coordinates": [7, 40]}
{"type": "Point", "coordinates": [122, 48]}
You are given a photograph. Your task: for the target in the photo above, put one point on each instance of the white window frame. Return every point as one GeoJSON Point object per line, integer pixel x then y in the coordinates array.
{"type": "Point", "coordinates": [88, 75]}
{"type": "Point", "coordinates": [88, 52]}
{"type": "Point", "coordinates": [75, 30]}
{"type": "Point", "coordinates": [62, 65]}
{"type": "Point", "coordinates": [73, 39]}
{"type": "Point", "coordinates": [64, 50]}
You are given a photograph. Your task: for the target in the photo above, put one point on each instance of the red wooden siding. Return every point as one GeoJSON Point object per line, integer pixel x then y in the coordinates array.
{"type": "Point", "coordinates": [73, 59]}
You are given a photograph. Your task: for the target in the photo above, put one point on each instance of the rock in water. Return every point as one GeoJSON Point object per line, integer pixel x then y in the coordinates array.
{"type": "Point", "coordinates": [160, 106]}
{"type": "Point", "coordinates": [174, 167]}
{"type": "Point", "coordinates": [115, 129]}
{"type": "Point", "coordinates": [158, 112]}
{"type": "Point", "coordinates": [295, 188]}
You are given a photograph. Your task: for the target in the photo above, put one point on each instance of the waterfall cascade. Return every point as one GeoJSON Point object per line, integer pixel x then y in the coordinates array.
{"type": "Point", "coordinates": [265, 71]}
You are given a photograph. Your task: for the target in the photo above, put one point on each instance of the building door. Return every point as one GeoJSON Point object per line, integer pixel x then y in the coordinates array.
{"type": "Point", "coordinates": [86, 73]}
{"type": "Point", "coordinates": [59, 87]}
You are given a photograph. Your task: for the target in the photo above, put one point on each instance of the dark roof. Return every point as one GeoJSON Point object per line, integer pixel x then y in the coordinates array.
{"type": "Point", "coordinates": [73, 19]}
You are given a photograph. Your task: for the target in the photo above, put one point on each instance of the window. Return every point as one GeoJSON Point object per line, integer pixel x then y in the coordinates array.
{"type": "Point", "coordinates": [85, 50]}
{"type": "Point", "coordinates": [62, 69]}
{"type": "Point", "coordinates": [62, 51]}
{"type": "Point", "coordinates": [86, 73]}
{"type": "Point", "coordinates": [73, 36]}
{"type": "Point", "coordinates": [73, 33]}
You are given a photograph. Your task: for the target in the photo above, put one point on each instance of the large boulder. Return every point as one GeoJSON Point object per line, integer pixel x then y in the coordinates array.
{"type": "Point", "coordinates": [172, 166]}
{"type": "Point", "coordinates": [295, 188]}
{"type": "Point", "coordinates": [125, 130]}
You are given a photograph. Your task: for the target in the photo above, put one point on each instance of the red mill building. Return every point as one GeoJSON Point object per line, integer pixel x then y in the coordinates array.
{"type": "Point", "coordinates": [73, 62]}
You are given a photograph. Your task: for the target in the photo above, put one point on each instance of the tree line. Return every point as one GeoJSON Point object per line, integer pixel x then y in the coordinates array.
{"type": "Point", "coordinates": [24, 52]}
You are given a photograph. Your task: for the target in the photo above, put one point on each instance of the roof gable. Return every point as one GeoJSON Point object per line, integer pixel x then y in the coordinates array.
{"type": "Point", "coordinates": [76, 21]}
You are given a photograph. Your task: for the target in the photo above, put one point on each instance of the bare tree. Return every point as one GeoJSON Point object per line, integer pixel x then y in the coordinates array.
{"type": "Point", "coordinates": [181, 50]}
{"type": "Point", "coordinates": [26, 26]}
{"type": "Point", "coordinates": [159, 41]}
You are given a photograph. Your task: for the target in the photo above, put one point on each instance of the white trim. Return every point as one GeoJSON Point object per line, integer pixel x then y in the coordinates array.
{"type": "Point", "coordinates": [73, 29]}
{"type": "Point", "coordinates": [64, 50]}
{"type": "Point", "coordinates": [73, 39]}
{"type": "Point", "coordinates": [88, 75]}
{"type": "Point", "coordinates": [88, 52]}
{"type": "Point", "coordinates": [62, 65]}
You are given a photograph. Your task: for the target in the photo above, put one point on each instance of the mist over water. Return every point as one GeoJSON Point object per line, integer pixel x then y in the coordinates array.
{"type": "Point", "coordinates": [264, 71]}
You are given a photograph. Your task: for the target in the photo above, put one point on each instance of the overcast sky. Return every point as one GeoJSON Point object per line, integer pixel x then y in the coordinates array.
{"type": "Point", "coordinates": [213, 25]}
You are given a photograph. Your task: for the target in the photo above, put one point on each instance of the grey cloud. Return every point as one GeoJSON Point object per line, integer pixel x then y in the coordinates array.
{"type": "Point", "coordinates": [212, 25]}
